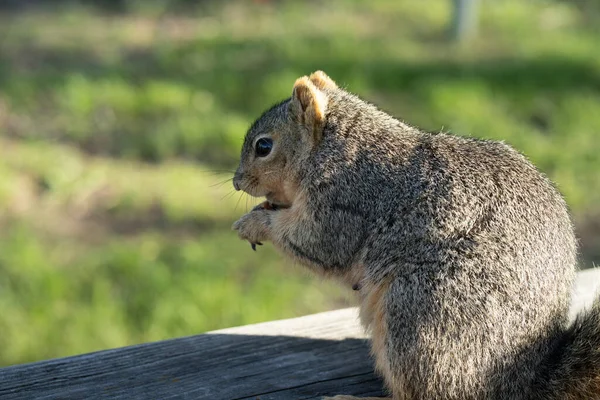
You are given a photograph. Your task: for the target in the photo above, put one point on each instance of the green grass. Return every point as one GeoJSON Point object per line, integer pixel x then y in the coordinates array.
{"type": "Point", "coordinates": [117, 130]}
{"type": "Point", "coordinates": [98, 252]}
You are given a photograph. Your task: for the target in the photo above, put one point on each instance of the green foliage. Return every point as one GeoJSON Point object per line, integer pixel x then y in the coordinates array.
{"type": "Point", "coordinates": [116, 130]}
{"type": "Point", "coordinates": [59, 301]}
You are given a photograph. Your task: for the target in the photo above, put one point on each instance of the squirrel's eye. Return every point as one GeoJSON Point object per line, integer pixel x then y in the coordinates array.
{"type": "Point", "coordinates": [263, 147]}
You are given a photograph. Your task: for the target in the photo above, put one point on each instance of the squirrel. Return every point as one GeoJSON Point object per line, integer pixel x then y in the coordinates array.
{"type": "Point", "coordinates": [461, 253]}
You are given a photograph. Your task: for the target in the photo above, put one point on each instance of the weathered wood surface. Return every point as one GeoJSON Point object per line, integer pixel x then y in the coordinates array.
{"type": "Point", "coordinates": [301, 358]}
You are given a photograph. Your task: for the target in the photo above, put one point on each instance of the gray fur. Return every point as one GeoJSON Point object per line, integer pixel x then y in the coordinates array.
{"type": "Point", "coordinates": [476, 245]}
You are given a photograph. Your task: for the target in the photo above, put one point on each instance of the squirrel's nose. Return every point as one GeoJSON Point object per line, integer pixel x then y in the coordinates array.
{"type": "Point", "coordinates": [237, 177]}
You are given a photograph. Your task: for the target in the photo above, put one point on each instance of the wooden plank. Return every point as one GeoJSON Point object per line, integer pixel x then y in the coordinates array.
{"type": "Point", "coordinates": [290, 359]}
{"type": "Point", "coordinates": [301, 358]}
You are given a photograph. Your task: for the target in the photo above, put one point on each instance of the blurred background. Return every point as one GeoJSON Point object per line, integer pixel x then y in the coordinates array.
{"type": "Point", "coordinates": [121, 123]}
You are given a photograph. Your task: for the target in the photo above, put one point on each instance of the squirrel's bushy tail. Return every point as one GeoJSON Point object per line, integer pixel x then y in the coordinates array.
{"type": "Point", "coordinates": [574, 370]}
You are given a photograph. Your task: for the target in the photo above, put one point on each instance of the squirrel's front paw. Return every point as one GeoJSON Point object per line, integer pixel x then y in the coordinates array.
{"type": "Point", "coordinates": [254, 227]}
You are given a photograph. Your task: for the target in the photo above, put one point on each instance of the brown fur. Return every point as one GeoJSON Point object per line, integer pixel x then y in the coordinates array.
{"type": "Point", "coordinates": [322, 81]}
{"type": "Point", "coordinates": [310, 105]}
{"type": "Point", "coordinates": [590, 389]}
{"type": "Point", "coordinates": [373, 317]}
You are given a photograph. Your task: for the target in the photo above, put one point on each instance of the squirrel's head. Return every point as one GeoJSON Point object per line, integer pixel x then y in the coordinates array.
{"type": "Point", "coordinates": [283, 137]}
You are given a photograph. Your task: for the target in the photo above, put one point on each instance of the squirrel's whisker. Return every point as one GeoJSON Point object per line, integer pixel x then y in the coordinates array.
{"type": "Point", "coordinates": [219, 184]}
{"type": "Point", "coordinates": [229, 194]}
{"type": "Point", "coordinates": [238, 202]}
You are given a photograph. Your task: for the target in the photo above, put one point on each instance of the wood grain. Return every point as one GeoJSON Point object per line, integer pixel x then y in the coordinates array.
{"type": "Point", "coordinates": [300, 358]}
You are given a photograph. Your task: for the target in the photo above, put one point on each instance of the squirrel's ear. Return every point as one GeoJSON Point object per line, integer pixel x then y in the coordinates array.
{"type": "Point", "coordinates": [322, 81]}
{"type": "Point", "coordinates": [308, 106]}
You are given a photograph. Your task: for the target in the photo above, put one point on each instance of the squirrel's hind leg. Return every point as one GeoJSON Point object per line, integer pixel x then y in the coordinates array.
{"type": "Point", "coordinates": [345, 397]}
